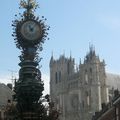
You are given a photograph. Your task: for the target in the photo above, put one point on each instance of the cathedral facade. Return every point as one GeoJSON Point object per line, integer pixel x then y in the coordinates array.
{"type": "Point", "coordinates": [78, 93]}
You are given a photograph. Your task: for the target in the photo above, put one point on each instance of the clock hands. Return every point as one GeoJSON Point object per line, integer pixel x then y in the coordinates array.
{"type": "Point", "coordinates": [31, 28]}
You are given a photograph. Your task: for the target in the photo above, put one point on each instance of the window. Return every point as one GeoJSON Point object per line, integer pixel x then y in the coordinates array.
{"type": "Point", "coordinates": [83, 104]}
{"type": "Point", "coordinates": [86, 78]}
{"type": "Point", "coordinates": [87, 98]}
{"type": "Point", "coordinates": [68, 67]}
{"type": "Point", "coordinates": [56, 78]}
{"type": "Point", "coordinates": [117, 113]}
{"type": "Point", "coordinates": [91, 70]}
{"type": "Point", "coordinates": [59, 76]}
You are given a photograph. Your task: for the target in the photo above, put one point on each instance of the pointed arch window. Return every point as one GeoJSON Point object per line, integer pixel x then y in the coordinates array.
{"type": "Point", "coordinates": [68, 67]}
{"type": "Point", "coordinates": [86, 77]}
{"type": "Point", "coordinates": [56, 78]}
{"type": "Point", "coordinates": [91, 70]}
{"type": "Point", "coordinates": [87, 99]}
{"type": "Point", "coordinates": [59, 76]}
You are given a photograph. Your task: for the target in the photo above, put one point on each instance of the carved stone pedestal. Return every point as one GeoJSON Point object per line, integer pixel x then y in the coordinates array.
{"type": "Point", "coordinates": [30, 116]}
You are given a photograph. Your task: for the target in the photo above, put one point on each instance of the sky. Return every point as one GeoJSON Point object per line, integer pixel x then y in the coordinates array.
{"type": "Point", "coordinates": [74, 25]}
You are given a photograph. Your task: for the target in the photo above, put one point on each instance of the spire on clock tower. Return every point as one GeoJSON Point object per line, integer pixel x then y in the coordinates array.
{"type": "Point", "coordinates": [29, 5]}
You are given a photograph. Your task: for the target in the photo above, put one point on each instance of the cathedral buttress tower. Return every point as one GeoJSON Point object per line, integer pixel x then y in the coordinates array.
{"type": "Point", "coordinates": [93, 77]}
{"type": "Point", "coordinates": [60, 70]}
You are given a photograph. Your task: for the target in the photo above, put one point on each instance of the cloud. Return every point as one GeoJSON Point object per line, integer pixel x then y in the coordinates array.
{"type": "Point", "coordinates": [110, 21]}
{"type": "Point", "coordinates": [45, 79]}
{"type": "Point", "coordinates": [5, 78]}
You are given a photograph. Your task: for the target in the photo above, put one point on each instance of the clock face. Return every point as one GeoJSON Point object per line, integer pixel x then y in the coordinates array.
{"type": "Point", "coordinates": [31, 30]}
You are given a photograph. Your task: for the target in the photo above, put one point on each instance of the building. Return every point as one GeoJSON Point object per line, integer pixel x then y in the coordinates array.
{"type": "Point", "coordinates": [6, 94]}
{"type": "Point", "coordinates": [79, 93]}
{"type": "Point", "coordinates": [110, 111]}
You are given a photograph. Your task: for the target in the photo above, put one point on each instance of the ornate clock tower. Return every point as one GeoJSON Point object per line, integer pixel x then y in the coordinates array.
{"type": "Point", "coordinates": [29, 33]}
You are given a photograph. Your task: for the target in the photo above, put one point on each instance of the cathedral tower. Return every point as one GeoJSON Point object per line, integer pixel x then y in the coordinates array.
{"type": "Point", "coordinates": [78, 94]}
{"type": "Point", "coordinates": [93, 77]}
{"type": "Point", "coordinates": [60, 70]}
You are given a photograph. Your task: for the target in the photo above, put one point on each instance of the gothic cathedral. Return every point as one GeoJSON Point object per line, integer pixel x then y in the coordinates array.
{"type": "Point", "coordinates": [78, 93]}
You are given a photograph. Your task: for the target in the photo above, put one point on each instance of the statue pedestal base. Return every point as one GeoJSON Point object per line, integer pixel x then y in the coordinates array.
{"type": "Point", "coordinates": [30, 116]}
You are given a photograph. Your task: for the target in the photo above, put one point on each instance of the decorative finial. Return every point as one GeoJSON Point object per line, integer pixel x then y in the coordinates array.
{"type": "Point", "coordinates": [70, 54]}
{"type": "Point", "coordinates": [80, 61]}
{"type": "Point", "coordinates": [29, 5]}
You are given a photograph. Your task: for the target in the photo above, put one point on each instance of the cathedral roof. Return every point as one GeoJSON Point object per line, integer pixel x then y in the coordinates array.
{"type": "Point", "coordinates": [113, 80]}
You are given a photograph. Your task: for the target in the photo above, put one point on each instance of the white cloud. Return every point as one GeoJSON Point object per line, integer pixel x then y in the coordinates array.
{"type": "Point", "coordinates": [5, 79]}
{"type": "Point", "coordinates": [110, 21]}
{"type": "Point", "coordinates": [8, 79]}
{"type": "Point", "coordinates": [45, 79]}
